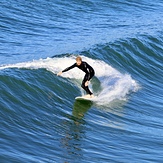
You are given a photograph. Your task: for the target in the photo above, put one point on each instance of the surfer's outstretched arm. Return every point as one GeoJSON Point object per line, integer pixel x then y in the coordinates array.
{"type": "Point", "coordinates": [67, 69]}
{"type": "Point", "coordinates": [59, 73]}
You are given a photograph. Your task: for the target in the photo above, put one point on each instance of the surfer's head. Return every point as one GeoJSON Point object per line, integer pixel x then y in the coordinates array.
{"type": "Point", "coordinates": [78, 60]}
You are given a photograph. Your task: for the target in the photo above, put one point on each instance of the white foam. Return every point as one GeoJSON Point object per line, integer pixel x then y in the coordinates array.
{"type": "Point", "coordinates": [115, 85]}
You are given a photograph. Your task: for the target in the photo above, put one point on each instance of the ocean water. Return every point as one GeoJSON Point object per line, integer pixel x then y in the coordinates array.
{"type": "Point", "coordinates": [40, 119]}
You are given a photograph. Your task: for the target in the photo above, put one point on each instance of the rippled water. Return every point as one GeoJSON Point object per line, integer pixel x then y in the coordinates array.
{"type": "Point", "coordinates": [40, 119]}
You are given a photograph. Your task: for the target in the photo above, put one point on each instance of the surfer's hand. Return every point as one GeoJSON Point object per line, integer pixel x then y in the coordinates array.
{"type": "Point", "coordinates": [86, 83]}
{"type": "Point", "coordinates": [59, 73]}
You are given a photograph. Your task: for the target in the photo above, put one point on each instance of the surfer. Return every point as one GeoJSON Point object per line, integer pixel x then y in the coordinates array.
{"type": "Point", "coordinates": [89, 73]}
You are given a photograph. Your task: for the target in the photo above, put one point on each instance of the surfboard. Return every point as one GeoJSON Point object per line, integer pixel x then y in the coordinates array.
{"type": "Point", "coordinates": [81, 98]}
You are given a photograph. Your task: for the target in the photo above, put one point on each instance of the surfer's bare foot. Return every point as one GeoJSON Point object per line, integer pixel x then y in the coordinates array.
{"type": "Point", "coordinates": [91, 96]}
{"type": "Point", "coordinates": [87, 96]}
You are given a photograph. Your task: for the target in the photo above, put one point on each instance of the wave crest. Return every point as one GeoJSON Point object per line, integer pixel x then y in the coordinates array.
{"type": "Point", "coordinates": [112, 84]}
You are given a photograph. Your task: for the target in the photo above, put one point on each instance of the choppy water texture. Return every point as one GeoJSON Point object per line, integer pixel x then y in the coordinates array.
{"type": "Point", "coordinates": [40, 119]}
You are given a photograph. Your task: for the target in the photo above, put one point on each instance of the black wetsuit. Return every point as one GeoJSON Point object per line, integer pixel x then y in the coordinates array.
{"type": "Point", "coordinates": [84, 66]}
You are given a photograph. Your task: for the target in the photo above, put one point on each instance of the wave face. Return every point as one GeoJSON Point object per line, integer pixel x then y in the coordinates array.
{"type": "Point", "coordinates": [111, 84]}
{"type": "Point", "coordinates": [40, 119]}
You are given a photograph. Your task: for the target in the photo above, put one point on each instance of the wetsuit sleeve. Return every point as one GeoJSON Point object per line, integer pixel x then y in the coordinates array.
{"type": "Point", "coordinates": [89, 76]}
{"type": "Point", "coordinates": [89, 71]}
{"type": "Point", "coordinates": [69, 68]}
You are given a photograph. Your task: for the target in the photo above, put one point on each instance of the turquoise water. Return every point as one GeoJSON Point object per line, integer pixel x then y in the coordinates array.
{"type": "Point", "coordinates": [40, 119]}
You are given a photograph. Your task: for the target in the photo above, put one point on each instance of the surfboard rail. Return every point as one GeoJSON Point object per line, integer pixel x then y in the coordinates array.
{"type": "Point", "coordinates": [85, 98]}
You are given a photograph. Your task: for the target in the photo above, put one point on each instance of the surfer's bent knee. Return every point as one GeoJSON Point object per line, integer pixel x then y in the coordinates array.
{"type": "Point", "coordinates": [82, 85]}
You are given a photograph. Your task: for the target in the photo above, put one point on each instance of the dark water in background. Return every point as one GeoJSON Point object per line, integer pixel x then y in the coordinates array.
{"type": "Point", "coordinates": [41, 121]}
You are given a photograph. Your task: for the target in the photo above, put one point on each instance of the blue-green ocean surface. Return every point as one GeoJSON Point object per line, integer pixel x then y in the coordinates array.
{"type": "Point", "coordinates": [40, 121]}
